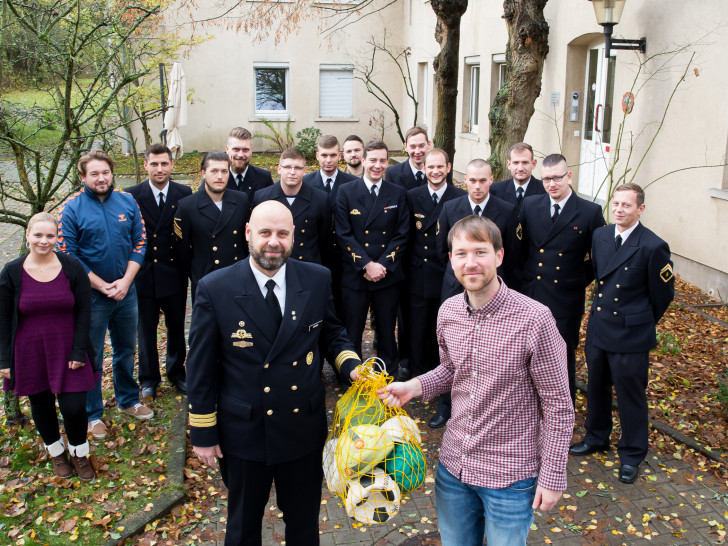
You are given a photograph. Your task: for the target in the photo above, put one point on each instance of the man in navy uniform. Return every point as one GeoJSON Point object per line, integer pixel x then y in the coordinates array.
{"type": "Point", "coordinates": [209, 225]}
{"type": "Point", "coordinates": [329, 179]}
{"type": "Point", "coordinates": [522, 183]}
{"type": "Point", "coordinates": [478, 201]}
{"type": "Point", "coordinates": [161, 282]}
{"type": "Point", "coordinates": [411, 173]}
{"type": "Point", "coordinates": [244, 176]}
{"type": "Point", "coordinates": [557, 234]}
{"type": "Point", "coordinates": [635, 285]}
{"type": "Point", "coordinates": [308, 205]}
{"type": "Point", "coordinates": [257, 402]}
{"type": "Point", "coordinates": [372, 225]}
{"type": "Point", "coordinates": [425, 270]}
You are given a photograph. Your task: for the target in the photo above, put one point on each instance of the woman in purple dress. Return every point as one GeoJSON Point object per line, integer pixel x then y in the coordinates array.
{"type": "Point", "coordinates": [45, 313]}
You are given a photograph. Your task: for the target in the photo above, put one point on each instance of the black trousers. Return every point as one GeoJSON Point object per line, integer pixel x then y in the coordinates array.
{"type": "Point", "coordinates": [173, 307]}
{"type": "Point", "coordinates": [404, 329]}
{"type": "Point", "coordinates": [384, 304]}
{"type": "Point", "coordinates": [569, 330]}
{"type": "Point", "coordinates": [298, 492]}
{"type": "Point", "coordinates": [425, 353]}
{"type": "Point", "coordinates": [628, 373]}
{"type": "Point", "coordinates": [73, 409]}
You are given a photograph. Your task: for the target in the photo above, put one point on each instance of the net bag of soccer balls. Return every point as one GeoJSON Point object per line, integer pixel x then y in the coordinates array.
{"type": "Point", "coordinates": [373, 454]}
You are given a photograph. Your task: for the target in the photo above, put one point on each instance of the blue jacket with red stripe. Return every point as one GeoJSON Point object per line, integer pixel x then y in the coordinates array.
{"type": "Point", "coordinates": [104, 235]}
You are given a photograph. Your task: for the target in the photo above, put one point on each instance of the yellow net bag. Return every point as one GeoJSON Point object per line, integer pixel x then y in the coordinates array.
{"type": "Point", "coordinates": [373, 454]}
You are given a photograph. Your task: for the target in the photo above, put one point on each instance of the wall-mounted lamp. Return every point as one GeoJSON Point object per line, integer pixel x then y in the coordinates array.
{"type": "Point", "coordinates": [608, 13]}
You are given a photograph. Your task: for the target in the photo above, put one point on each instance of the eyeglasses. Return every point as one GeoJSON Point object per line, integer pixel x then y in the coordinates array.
{"type": "Point", "coordinates": [554, 178]}
{"type": "Point", "coordinates": [291, 168]}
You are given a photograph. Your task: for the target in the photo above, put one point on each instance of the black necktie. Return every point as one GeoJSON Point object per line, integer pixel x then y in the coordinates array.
{"type": "Point", "coordinates": [556, 212]}
{"type": "Point", "coordinates": [434, 199]}
{"type": "Point", "coordinates": [420, 178]}
{"type": "Point", "coordinates": [240, 182]}
{"type": "Point", "coordinates": [272, 302]}
{"type": "Point", "coordinates": [617, 242]}
{"type": "Point", "coordinates": [161, 201]}
{"type": "Point", "coordinates": [328, 185]}
{"type": "Point", "coordinates": [519, 197]}
{"type": "Point", "coordinates": [476, 210]}
{"type": "Point", "coordinates": [374, 192]}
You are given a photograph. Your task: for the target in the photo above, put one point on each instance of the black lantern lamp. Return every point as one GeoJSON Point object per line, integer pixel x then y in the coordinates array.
{"type": "Point", "coordinates": [608, 13]}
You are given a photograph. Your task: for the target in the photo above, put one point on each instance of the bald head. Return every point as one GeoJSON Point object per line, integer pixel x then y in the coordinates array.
{"type": "Point", "coordinates": [270, 236]}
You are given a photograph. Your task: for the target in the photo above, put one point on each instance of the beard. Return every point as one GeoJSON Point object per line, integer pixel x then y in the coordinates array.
{"type": "Point", "coordinates": [269, 264]}
{"type": "Point", "coordinates": [354, 162]}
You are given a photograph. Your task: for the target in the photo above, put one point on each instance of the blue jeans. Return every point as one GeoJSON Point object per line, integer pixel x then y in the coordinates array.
{"type": "Point", "coordinates": [466, 513]}
{"type": "Point", "coordinates": [120, 318]}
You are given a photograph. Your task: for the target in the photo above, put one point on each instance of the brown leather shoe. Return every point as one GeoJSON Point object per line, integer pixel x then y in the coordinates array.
{"type": "Point", "coordinates": [83, 468]}
{"type": "Point", "coordinates": [61, 466]}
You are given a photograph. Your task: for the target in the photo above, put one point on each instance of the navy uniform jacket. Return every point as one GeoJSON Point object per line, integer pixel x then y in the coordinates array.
{"type": "Point", "coordinates": [314, 180]}
{"type": "Point", "coordinates": [160, 276]}
{"type": "Point", "coordinates": [371, 231]}
{"type": "Point", "coordinates": [254, 390]}
{"type": "Point", "coordinates": [557, 265]}
{"type": "Point", "coordinates": [425, 266]}
{"type": "Point", "coordinates": [255, 179]}
{"type": "Point", "coordinates": [207, 239]}
{"type": "Point", "coordinates": [635, 286]}
{"type": "Point", "coordinates": [311, 218]}
{"type": "Point", "coordinates": [504, 216]}
{"type": "Point", "coordinates": [401, 174]}
{"type": "Point", "coordinates": [506, 190]}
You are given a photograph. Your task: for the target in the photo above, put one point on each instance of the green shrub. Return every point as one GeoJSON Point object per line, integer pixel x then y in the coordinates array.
{"type": "Point", "coordinates": [307, 138]}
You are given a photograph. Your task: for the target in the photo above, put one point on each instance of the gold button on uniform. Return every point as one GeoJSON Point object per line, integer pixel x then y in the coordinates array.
{"type": "Point", "coordinates": [599, 308]}
{"type": "Point", "coordinates": [600, 295]}
{"type": "Point", "coordinates": [541, 251]}
{"type": "Point", "coordinates": [425, 260]}
{"type": "Point", "coordinates": [217, 262]}
{"type": "Point", "coordinates": [155, 248]}
{"type": "Point", "coordinates": [540, 264]}
{"type": "Point", "coordinates": [267, 365]}
{"type": "Point", "coordinates": [267, 389]}
{"type": "Point", "coordinates": [235, 232]}
{"type": "Point", "coordinates": [155, 260]}
{"type": "Point", "coordinates": [602, 282]}
{"type": "Point", "coordinates": [366, 232]}
{"type": "Point", "coordinates": [269, 412]}
{"type": "Point", "coordinates": [295, 410]}
{"type": "Point", "coordinates": [366, 244]}
{"type": "Point", "coordinates": [295, 362]}
{"type": "Point", "coordinates": [556, 281]}
{"type": "Point", "coordinates": [425, 247]}
{"type": "Point", "coordinates": [294, 388]}
{"type": "Point", "coordinates": [616, 299]}
{"type": "Point", "coordinates": [538, 278]}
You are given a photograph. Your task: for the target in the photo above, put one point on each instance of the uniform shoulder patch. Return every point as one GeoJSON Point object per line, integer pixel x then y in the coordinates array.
{"type": "Point", "coordinates": [666, 273]}
{"type": "Point", "coordinates": [519, 232]}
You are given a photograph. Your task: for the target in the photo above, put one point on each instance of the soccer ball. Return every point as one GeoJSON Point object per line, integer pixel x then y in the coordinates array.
{"type": "Point", "coordinates": [334, 481]}
{"type": "Point", "coordinates": [361, 448]}
{"type": "Point", "coordinates": [406, 465]}
{"type": "Point", "coordinates": [359, 411]}
{"type": "Point", "coordinates": [373, 497]}
{"type": "Point", "coordinates": [403, 430]}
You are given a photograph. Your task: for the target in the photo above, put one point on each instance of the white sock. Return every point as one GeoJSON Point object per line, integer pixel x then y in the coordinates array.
{"type": "Point", "coordinates": [56, 448]}
{"type": "Point", "coordinates": [80, 450]}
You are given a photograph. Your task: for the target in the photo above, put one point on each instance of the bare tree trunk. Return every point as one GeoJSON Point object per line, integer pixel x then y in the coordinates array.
{"type": "Point", "coordinates": [447, 34]}
{"type": "Point", "coordinates": [528, 45]}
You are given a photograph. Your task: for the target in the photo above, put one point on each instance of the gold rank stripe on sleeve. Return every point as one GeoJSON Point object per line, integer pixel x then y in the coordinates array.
{"type": "Point", "coordinates": [177, 228]}
{"type": "Point", "coordinates": [666, 273]}
{"type": "Point", "coordinates": [203, 421]}
{"type": "Point", "coordinates": [343, 356]}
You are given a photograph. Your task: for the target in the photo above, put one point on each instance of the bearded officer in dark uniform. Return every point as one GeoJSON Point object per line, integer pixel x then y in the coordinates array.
{"type": "Point", "coordinates": [254, 379]}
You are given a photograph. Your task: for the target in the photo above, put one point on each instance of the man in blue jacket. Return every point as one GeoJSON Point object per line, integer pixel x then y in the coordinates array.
{"type": "Point", "coordinates": [103, 228]}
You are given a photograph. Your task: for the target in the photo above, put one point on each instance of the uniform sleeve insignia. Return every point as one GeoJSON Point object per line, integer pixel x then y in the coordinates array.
{"type": "Point", "coordinates": [355, 212]}
{"type": "Point", "coordinates": [355, 256]}
{"type": "Point", "coordinates": [666, 273]}
{"type": "Point", "coordinates": [418, 224]}
{"type": "Point", "coordinates": [391, 256]}
{"type": "Point", "coordinates": [438, 228]}
{"type": "Point", "coordinates": [417, 215]}
{"type": "Point", "coordinates": [587, 257]}
{"type": "Point", "coordinates": [519, 231]}
{"type": "Point", "coordinates": [177, 228]}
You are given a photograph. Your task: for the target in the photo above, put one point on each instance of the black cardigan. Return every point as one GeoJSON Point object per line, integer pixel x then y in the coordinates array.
{"type": "Point", "coordinates": [10, 287]}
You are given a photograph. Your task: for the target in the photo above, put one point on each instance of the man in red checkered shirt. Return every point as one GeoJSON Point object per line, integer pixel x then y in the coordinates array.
{"type": "Point", "coordinates": [505, 450]}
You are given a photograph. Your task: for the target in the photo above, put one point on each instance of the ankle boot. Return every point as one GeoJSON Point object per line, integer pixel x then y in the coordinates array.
{"type": "Point", "coordinates": [61, 466]}
{"type": "Point", "coordinates": [79, 458]}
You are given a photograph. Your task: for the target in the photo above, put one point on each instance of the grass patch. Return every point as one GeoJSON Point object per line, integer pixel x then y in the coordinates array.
{"type": "Point", "coordinates": [130, 463]}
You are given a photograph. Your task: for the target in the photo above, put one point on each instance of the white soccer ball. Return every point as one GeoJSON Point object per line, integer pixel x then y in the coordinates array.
{"type": "Point", "coordinates": [334, 481]}
{"type": "Point", "coordinates": [373, 497]}
{"type": "Point", "coordinates": [402, 429]}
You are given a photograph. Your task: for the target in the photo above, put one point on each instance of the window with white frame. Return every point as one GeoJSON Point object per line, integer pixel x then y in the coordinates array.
{"type": "Point", "coordinates": [271, 89]}
{"type": "Point", "coordinates": [423, 96]}
{"type": "Point", "coordinates": [471, 97]}
{"type": "Point", "coordinates": [336, 83]}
